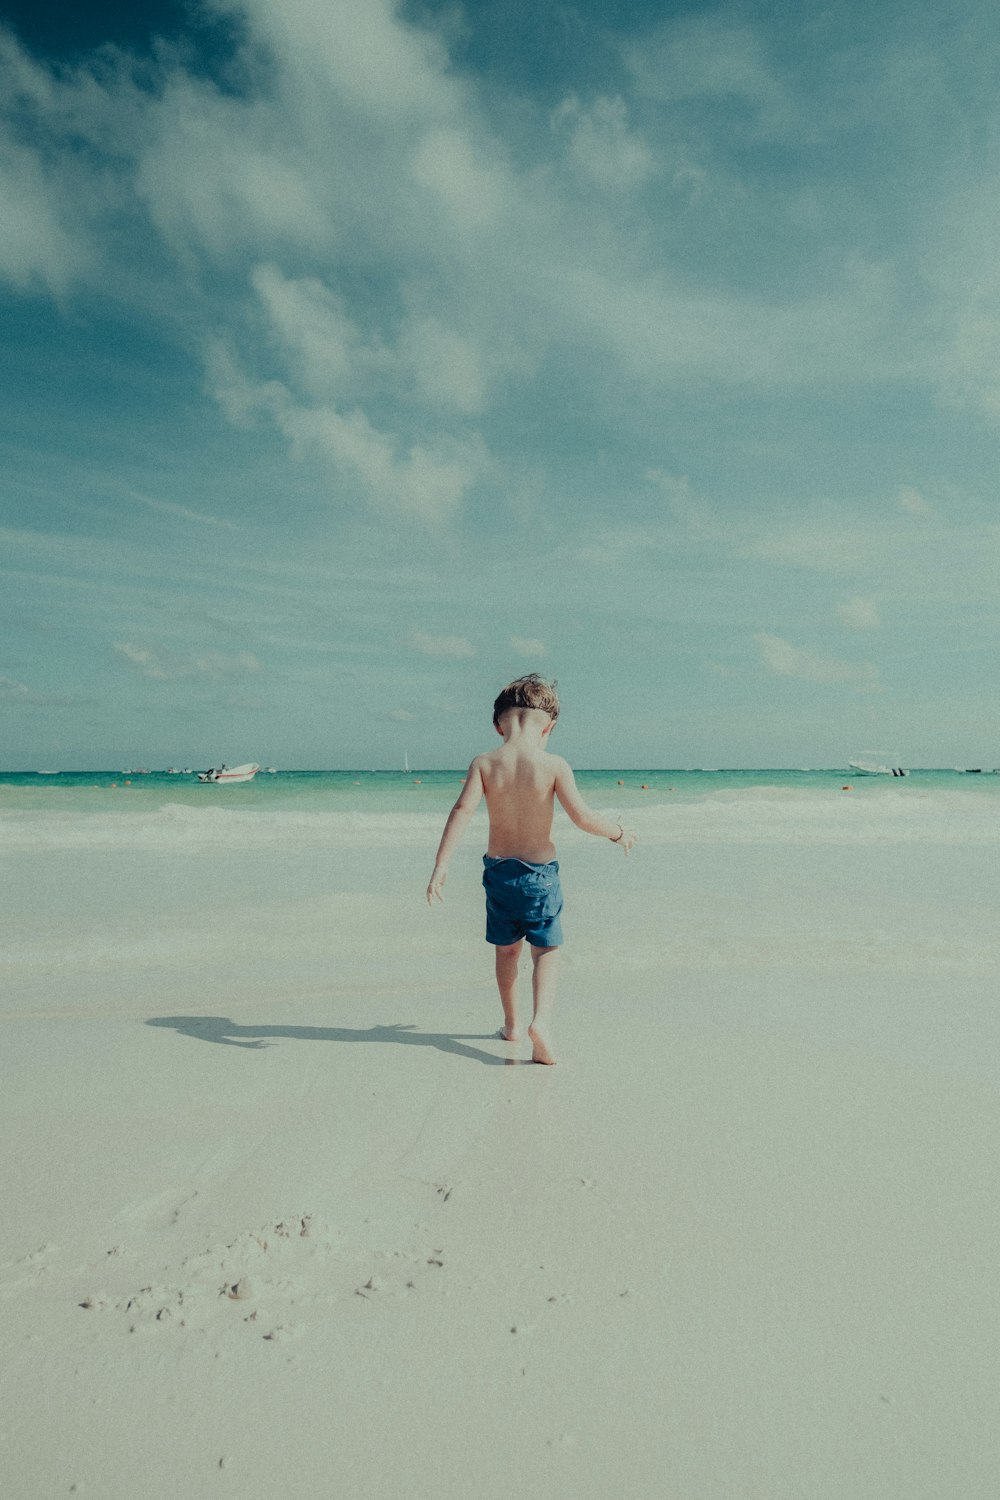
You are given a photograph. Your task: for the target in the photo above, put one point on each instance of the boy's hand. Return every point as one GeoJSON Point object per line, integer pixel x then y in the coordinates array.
{"type": "Point", "coordinates": [627, 840]}
{"type": "Point", "coordinates": [436, 886]}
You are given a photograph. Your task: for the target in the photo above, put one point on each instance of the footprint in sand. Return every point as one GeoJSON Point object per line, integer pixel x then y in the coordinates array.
{"type": "Point", "coordinates": [28, 1269]}
{"type": "Point", "coordinates": [276, 1254]}
{"type": "Point", "coordinates": [267, 1273]}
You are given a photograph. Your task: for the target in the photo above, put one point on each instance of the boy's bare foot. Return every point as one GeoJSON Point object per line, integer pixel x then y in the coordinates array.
{"type": "Point", "coordinates": [509, 1034]}
{"type": "Point", "coordinates": [539, 1047]}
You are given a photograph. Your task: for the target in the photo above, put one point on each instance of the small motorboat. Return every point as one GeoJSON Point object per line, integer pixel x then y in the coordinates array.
{"type": "Point", "coordinates": [873, 763]}
{"type": "Point", "coordinates": [228, 774]}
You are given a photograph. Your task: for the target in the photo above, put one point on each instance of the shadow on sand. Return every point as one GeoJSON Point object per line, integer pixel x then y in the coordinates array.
{"type": "Point", "coordinates": [229, 1034]}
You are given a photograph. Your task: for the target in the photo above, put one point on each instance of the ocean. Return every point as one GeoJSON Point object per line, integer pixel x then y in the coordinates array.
{"type": "Point", "coordinates": [294, 809]}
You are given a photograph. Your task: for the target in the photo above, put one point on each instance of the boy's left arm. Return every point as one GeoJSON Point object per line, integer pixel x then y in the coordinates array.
{"type": "Point", "coordinates": [568, 793]}
{"type": "Point", "coordinates": [468, 800]}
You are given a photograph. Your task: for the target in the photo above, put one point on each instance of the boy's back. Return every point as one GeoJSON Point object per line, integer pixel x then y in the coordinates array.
{"type": "Point", "coordinates": [519, 783]}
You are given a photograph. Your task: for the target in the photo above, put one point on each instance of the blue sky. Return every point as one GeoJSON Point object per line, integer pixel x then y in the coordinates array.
{"type": "Point", "coordinates": [359, 357]}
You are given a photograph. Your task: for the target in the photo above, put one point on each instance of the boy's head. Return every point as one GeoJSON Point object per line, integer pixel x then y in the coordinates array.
{"type": "Point", "coordinates": [528, 692]}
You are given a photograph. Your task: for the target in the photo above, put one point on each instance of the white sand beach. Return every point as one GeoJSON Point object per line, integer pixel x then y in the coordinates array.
{"type": "Point", "coordinates": [284, 1217]}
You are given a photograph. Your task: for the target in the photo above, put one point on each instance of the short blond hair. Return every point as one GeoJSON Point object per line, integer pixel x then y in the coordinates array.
{"type": "Point", "coordinates": [528, 692]}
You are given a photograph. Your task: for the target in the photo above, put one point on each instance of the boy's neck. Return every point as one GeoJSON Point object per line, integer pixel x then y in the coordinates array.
{"type": "Point", "coordinates": [525, 726]}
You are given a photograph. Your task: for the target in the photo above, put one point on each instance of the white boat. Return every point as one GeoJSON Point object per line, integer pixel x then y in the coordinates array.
{"type": "Point", "coordinates": [876, 763]}
{"type": "Point", "coordinates": [226, 773]}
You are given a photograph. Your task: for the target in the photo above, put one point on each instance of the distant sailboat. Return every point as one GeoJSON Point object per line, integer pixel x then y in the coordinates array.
{"type": "Point", "coordinates": [406, 762]}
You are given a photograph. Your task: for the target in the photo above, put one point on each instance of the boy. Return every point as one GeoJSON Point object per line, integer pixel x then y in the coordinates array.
{"type": "Point", "coordinates": [523, 900]}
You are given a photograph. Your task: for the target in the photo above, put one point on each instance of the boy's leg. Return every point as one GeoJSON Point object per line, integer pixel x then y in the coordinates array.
{"type": "Point", "coordinates": [543, 986]}
{"type": "Point", "coordinates": [507, 957]}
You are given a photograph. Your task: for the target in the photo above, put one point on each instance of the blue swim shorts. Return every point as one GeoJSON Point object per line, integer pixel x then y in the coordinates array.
{"type": "Point", "coordinates": [522, 901]}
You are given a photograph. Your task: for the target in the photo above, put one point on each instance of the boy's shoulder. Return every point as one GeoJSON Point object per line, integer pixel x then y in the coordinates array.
{"type": "Point", "coordinates": [497, 757]}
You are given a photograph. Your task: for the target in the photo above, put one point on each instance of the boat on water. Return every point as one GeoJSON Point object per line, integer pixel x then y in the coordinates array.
{"type": "Point", "coordinates": [875, 763]}
{"type": "Point", "coordinates": [229, 774]}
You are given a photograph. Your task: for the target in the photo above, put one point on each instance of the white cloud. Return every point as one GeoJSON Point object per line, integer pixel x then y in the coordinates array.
{"type": "Point", "coordinates": [206, 664]}
{"type": "Point", "coordinates": [448, 370]}
{"type": "Point", "coordinates": [17, 694]}
{"type": "Point", "coordinates": [601, 144]}
{"type": "Point", "coordinates": [145, 661]}
{"type": "Point", "coordinates": [454, 647]}
{"type": "Point", "coordinates": [913, 502]}
{"type": "Point", "coordinates": [215, 173]}
{"type": "Point", "coordinates": [858, 613]}
{"type": "Point", "coordinates": [694, 516]}
{"type": "Point", "coordinates": [786, 660]}
{"type": "Point", "coordinates": [820, 544]}
{"type": "Point", "coordinates": [427, 484]}
{"type": "Point", "coordinates": [427, 480]}
{"type": "Point", "coordinates": [34, 244]}
{"type": "Point", "coordinates": [527, 646]}
{"type": "Point", "coordinates": [242, 399]}
{"type": "Point", "coordinates": [304, 165]}
{"type": "Point", "coordinates": [328, 355]}
{"type": "Point", "coordinates": [474, 191]}
{"type": "Point", "coordinates": [387, 69]}
{"type": "Point", "coordinates": [714, 57]}
{"type": "Point", "coordinates": [216, 664]}
{"type": "Point", "coordinates": [182, 512]}
{"type": "Point", "coordinates": [312, 326]}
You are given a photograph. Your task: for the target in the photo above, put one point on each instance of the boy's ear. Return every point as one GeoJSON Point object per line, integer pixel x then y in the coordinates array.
{"type": "Point", "coordinates": [548, 728]}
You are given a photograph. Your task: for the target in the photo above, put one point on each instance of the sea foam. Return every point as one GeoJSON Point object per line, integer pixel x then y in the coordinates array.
{"type": "Point", "coordinates": [754, 815]}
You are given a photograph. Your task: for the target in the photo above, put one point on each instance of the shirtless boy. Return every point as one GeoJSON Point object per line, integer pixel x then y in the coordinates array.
{"type": "Point", "coordinates": [520, 781]}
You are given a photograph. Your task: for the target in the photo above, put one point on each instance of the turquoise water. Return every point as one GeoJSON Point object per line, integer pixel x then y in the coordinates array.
{"type": "Point", "coordinates": [433, 791]}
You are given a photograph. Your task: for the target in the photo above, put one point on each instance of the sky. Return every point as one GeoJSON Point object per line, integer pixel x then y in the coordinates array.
{"type": "Point", "coordinates": [360, 357]}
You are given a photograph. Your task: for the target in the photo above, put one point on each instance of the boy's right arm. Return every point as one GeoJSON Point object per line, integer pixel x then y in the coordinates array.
{"type": "Point", "coordinates": [468, 800]}
{"type": "Point", "coordinates": [580, 814]}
